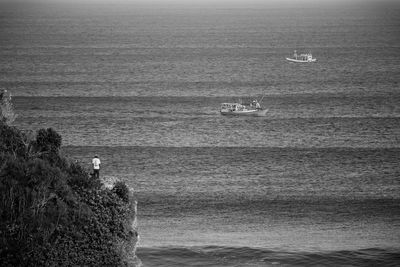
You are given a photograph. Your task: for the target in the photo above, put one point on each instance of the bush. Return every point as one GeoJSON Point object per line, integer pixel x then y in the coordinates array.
{"type": "Point", "coordinates": [12, 141]}
{"type": "Point", "coordinates": [52, 212]}
{"type": "Point", "coordinates": [35, 200]}
{"type": "Point", "coordinates": [7, 114]}
{"type": "Point", "coordinates": [79, 177]}
{"type": "Point", "coordinates": [122, 190]}
{"type": "Point", "coordinates": [48, 140]}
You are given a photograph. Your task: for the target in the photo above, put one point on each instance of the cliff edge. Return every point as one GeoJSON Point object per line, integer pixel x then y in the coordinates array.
{"type": "Point", "coordinates": [53, 212]}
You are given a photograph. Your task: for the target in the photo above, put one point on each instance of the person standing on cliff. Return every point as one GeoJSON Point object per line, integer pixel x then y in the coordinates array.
{"type": "Point", "coordinates": [96, 166]}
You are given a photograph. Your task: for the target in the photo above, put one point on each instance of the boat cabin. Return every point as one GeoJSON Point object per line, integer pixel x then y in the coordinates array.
{"type": "Point", "coordinates": [306, 57]}
{"type": "Point", "coordinates": [302, 57]}
{"type": "Point", "coordinates": [232, 107]}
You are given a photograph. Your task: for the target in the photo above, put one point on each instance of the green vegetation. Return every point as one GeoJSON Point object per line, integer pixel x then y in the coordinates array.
{"type": "Point", "coordinates": [53, 212]}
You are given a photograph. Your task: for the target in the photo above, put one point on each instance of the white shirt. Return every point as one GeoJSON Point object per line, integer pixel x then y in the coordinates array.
{"type": "Point", "coordinates": [96, 163]}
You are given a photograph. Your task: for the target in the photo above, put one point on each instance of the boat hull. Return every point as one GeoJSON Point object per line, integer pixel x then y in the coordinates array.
{"type": "Point", "coordinates": [254, 113]}
{"type": "Point", "coordinates": [300, 61]}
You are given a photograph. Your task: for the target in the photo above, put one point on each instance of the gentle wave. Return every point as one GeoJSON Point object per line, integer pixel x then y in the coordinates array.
{"type": "Point", "coordinates": [246, 256]}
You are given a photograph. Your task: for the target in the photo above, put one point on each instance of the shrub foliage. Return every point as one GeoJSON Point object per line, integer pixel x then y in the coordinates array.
{"type": "Point", "coordinates": [122, 190]}
{"type": "Point", "coordinates": [7, 114]}
{"type": "Point", "coordinates": [51, 211]}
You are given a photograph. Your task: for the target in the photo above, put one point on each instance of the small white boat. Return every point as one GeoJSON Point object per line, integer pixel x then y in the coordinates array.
{"type": "Point", "coordinates": [302, 58]}
{"type": "Point", "coordinates": [237, 109]}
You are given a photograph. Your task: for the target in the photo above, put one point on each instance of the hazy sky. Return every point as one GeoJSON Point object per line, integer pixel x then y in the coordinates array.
{"type": "Point", "coordinates": [370, 4]}
{"type": "Point", "coordinates": [207, 1]}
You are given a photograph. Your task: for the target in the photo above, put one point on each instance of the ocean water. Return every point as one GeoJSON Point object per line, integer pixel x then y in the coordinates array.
{"type": "Point", "coordinates": [314, 183]}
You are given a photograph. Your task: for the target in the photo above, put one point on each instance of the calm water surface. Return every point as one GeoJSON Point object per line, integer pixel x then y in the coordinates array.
{"type": "Point", "coordinates": [316, 182]}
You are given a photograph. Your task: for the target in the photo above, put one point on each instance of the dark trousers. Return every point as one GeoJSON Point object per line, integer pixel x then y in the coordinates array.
{"type": "Point", "coordinates": [96, 173]}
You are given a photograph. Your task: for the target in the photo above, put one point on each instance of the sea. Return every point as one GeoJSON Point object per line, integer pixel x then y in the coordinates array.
{"type": "Point", "coordinates": [316, 182]}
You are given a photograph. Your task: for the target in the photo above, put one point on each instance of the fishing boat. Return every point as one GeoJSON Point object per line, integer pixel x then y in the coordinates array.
{"type": "Point", "coordinates": [238, 109]}
{"type": "Point", "coordinates": [302, 58]}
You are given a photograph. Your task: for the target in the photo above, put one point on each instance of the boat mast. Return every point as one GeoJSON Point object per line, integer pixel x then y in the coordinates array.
{"type": "Point", "coordinates": [261, 99]}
